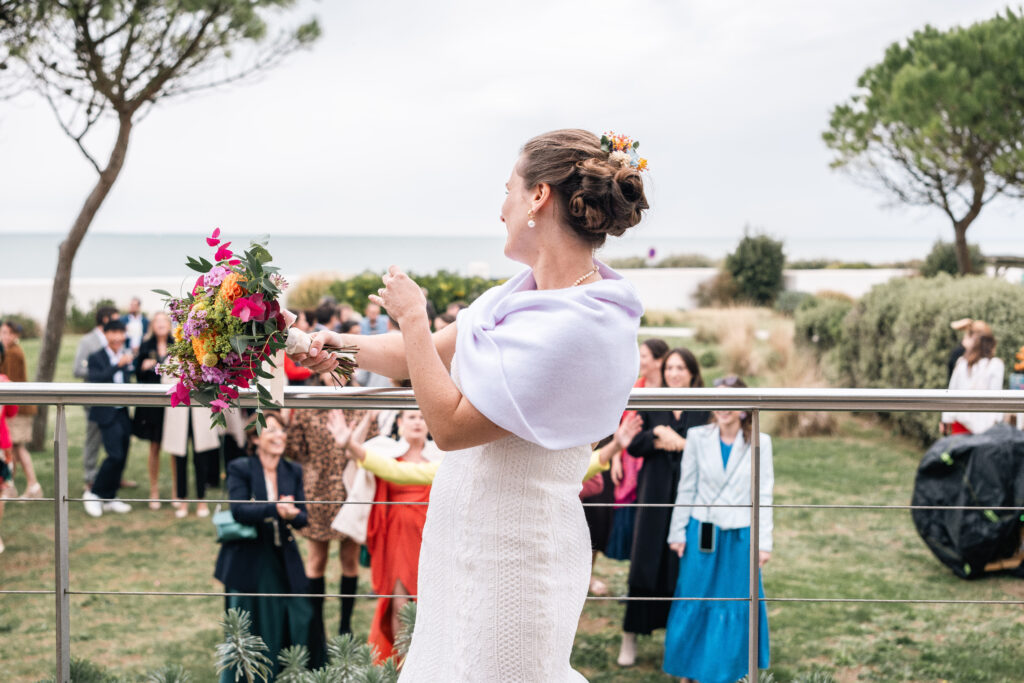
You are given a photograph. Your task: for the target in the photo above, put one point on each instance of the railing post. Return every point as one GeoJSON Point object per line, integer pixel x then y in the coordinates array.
{"type": "Point", "coordinates": [60, 544]}
{"type": "Point", "coordinates": [755, 524]}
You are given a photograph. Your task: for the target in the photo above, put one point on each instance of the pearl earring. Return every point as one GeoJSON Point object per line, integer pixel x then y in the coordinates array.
{"type": "Point", "coordinates": [530, 223]}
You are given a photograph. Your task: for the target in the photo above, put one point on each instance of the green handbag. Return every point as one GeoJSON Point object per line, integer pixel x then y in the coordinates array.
{"type": "Point", "coordinates": [230, 530]}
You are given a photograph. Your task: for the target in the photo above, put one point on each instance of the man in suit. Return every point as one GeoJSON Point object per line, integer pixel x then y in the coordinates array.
{"type": "Point", "coordinates": [88, 345]}
{"type": "Point", "coordinates": [136, 324]}
{"type": "Point", "coordinates": [111, 364]}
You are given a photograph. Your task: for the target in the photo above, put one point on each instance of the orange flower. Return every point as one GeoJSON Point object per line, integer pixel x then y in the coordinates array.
{"type": "Point", "coordinates": [179, 333]}
{"type": "Point", "coordinates": [641, 165]}
{"type": "Point", "coordinates": [230, 289]}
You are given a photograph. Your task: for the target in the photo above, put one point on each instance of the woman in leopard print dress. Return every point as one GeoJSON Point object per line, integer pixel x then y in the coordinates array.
{"type": "Point", "coordinates": [323, 461]}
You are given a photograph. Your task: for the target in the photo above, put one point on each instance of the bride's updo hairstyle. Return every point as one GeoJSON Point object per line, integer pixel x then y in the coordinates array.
{"type": "Point", "coordinates": [595, 197]}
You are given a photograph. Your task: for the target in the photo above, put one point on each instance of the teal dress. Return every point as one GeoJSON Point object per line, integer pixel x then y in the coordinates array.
{"type": "Point", "coordinates": [708, 641]}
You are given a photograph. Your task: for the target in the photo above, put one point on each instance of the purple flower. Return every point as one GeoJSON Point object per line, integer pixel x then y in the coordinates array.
{"type": "Point", "coordinates": [214, 375]}
{"type": "Point", "coordinates": [232, 359]}
{"type": "Point", "coordinates": [196, 323]}
{"type": "Point", "coordinates": [215, 276]}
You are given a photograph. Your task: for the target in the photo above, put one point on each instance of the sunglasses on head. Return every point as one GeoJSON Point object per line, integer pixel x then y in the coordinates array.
{"type": "Point", "coordinates": [728, 381]}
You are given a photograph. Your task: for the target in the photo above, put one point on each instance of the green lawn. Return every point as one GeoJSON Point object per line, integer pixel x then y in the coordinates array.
{"type": "Point", "coordinates": [833, 553]}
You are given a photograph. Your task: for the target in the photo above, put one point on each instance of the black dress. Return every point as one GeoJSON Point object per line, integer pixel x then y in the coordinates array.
{"type": "Point", "coordinates": [148, 422]}
{"type": "Point", "coordinates": [653, 567]}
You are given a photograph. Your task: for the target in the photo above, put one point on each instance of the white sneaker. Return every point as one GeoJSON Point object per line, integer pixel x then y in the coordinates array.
{"type": "Point", "coordinates": [627, 653]}
{"type": "Point", "coordinates": [118, 506]}
{"type": "Point", "coordinates": [93, 504]}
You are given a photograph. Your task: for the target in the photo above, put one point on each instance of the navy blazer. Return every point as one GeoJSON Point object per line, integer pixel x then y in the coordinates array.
{"type": "Point", "coordinates": [239, 562]}
{"type": "Point", "coordinates": [102, 371]}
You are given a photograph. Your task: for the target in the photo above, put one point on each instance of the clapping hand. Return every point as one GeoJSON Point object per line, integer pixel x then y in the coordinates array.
{"type": "Point", "coordinates": [667, 439]}
{"type": "Point", "coordinates": [339, 427]}
{"type": "Point", "coordinates": [286, 508]}
{"type": "Point", "coordinates": [628, 429]}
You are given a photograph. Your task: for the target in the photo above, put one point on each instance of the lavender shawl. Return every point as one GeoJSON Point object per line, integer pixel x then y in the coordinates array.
{"type": "Point", "coordinates": [554, 367]}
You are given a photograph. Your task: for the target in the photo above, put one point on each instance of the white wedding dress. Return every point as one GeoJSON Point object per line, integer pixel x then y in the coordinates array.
{"type": "Point", "coordinates": [504, 566]}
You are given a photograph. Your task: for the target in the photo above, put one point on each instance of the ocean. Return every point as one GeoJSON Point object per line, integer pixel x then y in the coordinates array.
{"type": "Point", "coordinates": [131, 256]}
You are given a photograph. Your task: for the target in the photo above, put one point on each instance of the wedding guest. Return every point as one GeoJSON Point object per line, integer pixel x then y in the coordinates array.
{"type": "Point", "coordinates": [148, 422]}
{"type": "Point", "coordinates": [978, 369]}
{"type": "Point", "coordinates": [306, 321]}
{"type": "Point", "coordinates": [136, 324]}
{"type": "Point", "coordinates": [311, 444]}
{"type": "Point", "coordinates": [625, 467]}
{"type": "Point", "coordinates": [113, 365]}
{"type": "Point", "coordinates": [653, 568]}
{"type": "Point", "coordinates": [394, 532]}
{"type": "Point", "coordinates": [374, 322]}
{"type": "Point", "coordinates": [326, 317]}
{"type": "Point", "coordinates": [89, 344]}
{"type": "Point", "coordinates": [599, 490]}
{"type": "Point", "coordinates": [346, 313]}
{"type": "Point", "coordinates": [351, 327]}
{"type": "Point", "coordinates": [6, 478]}
{"type": "Point", "coordinates": [182, 424]}
{"type": "Point", "coordinates": [270, 563]}
{"type": "Point", "coordinates": [708, 641]}
{"type": "Point", "coordinates": [454, 308]}
{"type": "Point", "coordinates": [20, 426]}
{"type": "Point", "coordinates": [442, 321]}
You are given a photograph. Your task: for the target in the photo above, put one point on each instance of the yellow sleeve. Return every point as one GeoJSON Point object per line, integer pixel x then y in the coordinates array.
{"type": "Point", "coordinates": [399, 472]}
{"type": "Point", "coordinates": [593, 468]}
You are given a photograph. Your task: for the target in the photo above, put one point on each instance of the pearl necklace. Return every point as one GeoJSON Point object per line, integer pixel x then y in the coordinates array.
{"type": "Point", "coordinates": [589, 273]}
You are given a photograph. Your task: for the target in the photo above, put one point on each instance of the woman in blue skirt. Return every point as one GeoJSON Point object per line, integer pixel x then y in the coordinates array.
{"type": "Point", "coordinates": [707, 641]}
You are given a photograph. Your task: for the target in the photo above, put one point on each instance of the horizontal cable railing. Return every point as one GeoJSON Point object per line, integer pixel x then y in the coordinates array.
{"type": "Point", "coordinates": [753, 400]}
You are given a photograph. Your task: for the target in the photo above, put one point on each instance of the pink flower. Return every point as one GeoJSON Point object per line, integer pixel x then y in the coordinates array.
{"type": "Point", "coordinates": [229, 391]}
{"type": "Point", "coordinates": [234, 262]}
{"type": "Point", "coordinates": [249, 308]}
{"type": "Point", "coordinates": [199, 285]}
{"type": "Point", "coordinates": [223, 252]}
{"type": "Point", "coordinates": [217, 405]}
{"type": "Point", "coordinates": [212, 239]}
{"type": "Point", "coordinates": [179, 394]}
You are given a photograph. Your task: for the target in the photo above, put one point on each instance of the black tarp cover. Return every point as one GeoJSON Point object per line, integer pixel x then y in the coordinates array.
{"type": "Point", "coordinates": [984, 470]}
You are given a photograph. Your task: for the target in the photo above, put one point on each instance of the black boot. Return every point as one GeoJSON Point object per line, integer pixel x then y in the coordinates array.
{"type": "Point", "coordinates": [349, 586]}
{"type": "Point", "coordinates": [317, 636]}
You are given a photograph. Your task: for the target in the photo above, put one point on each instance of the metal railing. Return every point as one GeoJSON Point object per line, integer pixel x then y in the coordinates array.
{"type": "Point", "coordinates": [751, 400]}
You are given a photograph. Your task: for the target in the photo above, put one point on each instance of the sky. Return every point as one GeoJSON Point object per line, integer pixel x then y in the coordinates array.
{"type": "Point", "coordinates": [406, 118]}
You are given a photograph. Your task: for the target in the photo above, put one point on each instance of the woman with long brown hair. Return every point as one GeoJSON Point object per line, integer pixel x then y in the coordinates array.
{"type": "Point", "coordinates": [977, 369]}
{"type": "Point", "coordinates": [660, 445]}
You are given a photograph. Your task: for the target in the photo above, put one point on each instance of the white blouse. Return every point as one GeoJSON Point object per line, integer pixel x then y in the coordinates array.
{"type": "Point", "coordinates": [985, 374]}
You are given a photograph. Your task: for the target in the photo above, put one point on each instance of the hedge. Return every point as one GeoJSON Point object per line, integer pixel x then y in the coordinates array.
{"type": "Point", "coordinates": [819, 321]}
{"type": "Point", "coordinates": [443, 288]}
{"type": "Point", "coordinates": [898, 335]}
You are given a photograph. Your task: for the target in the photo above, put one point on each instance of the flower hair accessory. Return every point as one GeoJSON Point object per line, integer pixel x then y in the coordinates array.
{"type": "Point", "coordinates": [621, 149]}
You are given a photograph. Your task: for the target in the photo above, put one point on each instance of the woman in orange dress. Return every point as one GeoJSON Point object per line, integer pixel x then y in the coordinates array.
{"type": "Point", "coordinates": [394, 535]}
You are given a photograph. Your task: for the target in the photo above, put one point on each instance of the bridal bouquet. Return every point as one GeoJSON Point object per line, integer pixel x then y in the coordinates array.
{"type": "Point", "coordinates": [228, 327]}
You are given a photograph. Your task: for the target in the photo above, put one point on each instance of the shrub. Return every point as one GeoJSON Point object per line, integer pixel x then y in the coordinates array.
{"type": "Point", "coordinates": [685, 261]}
{"type": "Point", "coordinates": [942, 259]}
{"type": "Point", "coordinates": [305, 294]}
{"type": "Point", "coordinates": [627, 262]}
{"type": "Point", "coordinates": [757, 268]}
{"type": "Point", "coordinates": [708, 359]}
{"type": "Point", "coordinates": [898, 335]}
{"type": "Point", "coordinates": [788, 301]}
{"type": "Point", "coordinates": [29, 326]}
{"type": "Point", "coordinates": [79, 321]}
{"type": "Point", "coordinates": [720, 290]}
{"type": "Point", "coordinates": [819, 321]}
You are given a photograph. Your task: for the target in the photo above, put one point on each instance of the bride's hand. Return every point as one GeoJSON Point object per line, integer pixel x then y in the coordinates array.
{"type": "Point", "coordinates": [401, 297]}
{"type": "Point", "coordinates": [316, 359]}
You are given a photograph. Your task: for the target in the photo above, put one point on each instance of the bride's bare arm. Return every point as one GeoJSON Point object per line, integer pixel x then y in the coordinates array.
{"type": "Point", "coordinates": [453, 421]}
{"type": "Point", "coordinates": [383, 354]}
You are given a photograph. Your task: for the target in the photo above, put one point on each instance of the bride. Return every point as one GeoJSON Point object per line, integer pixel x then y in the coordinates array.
{"type": "Point", "coordinates": [516, 390]}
